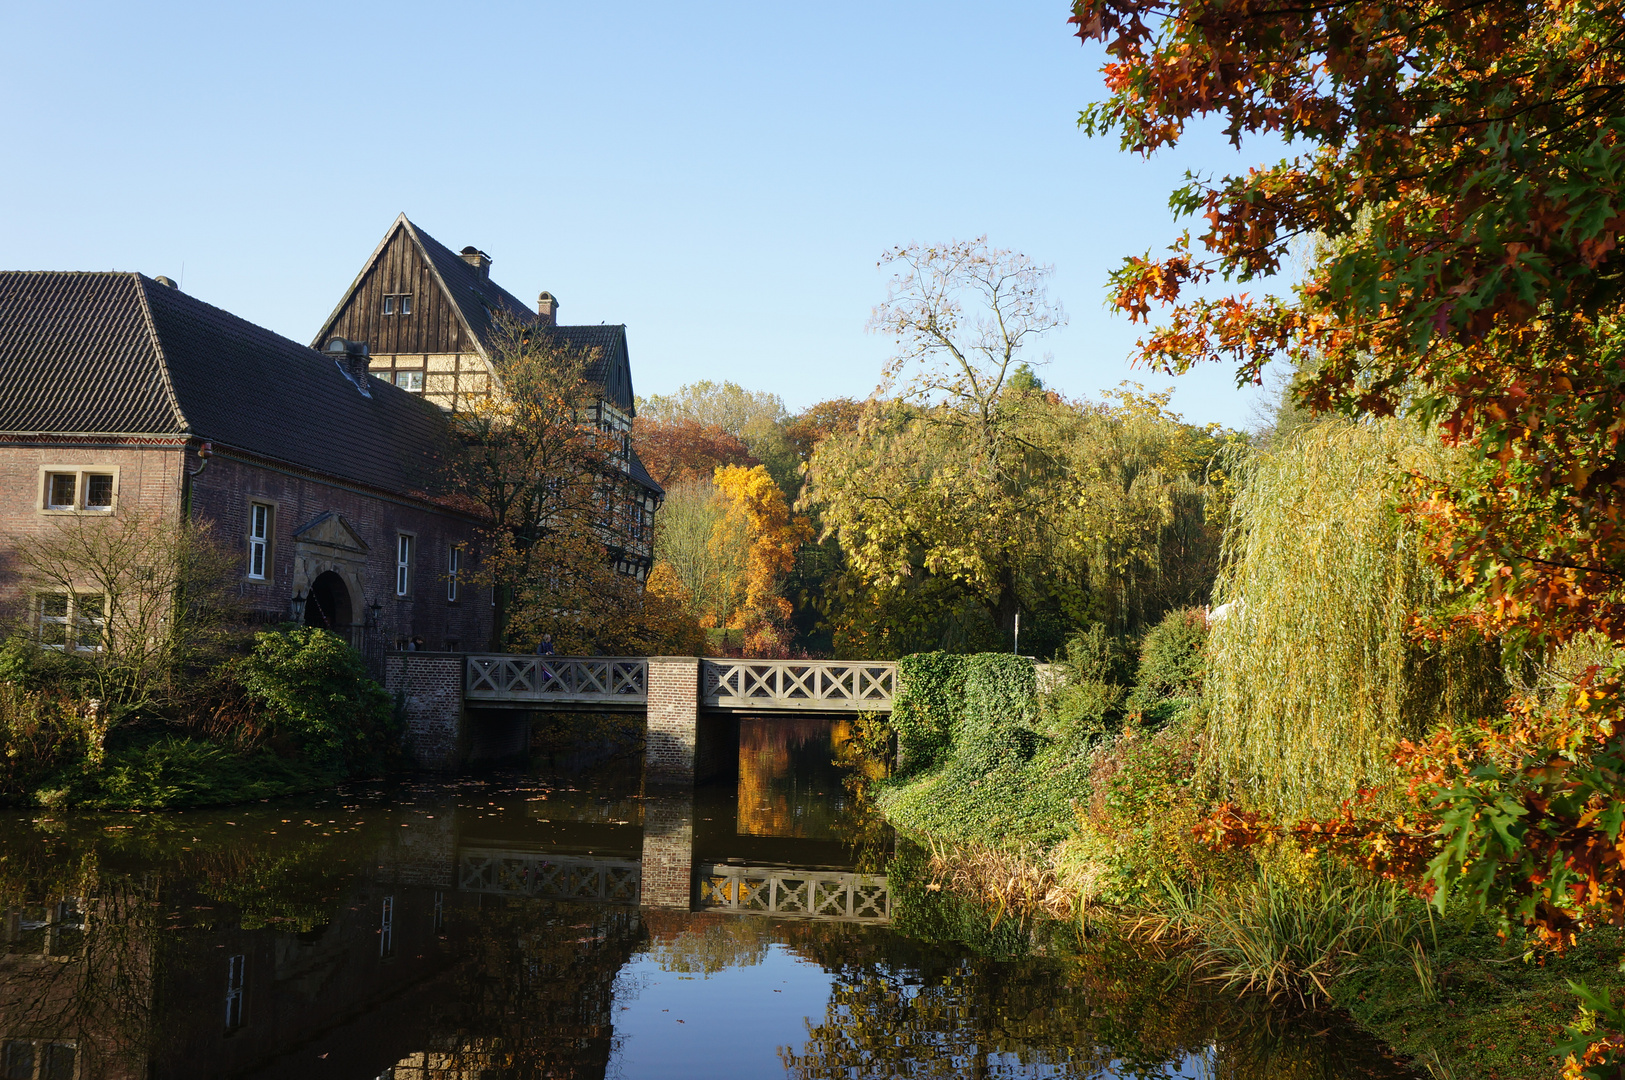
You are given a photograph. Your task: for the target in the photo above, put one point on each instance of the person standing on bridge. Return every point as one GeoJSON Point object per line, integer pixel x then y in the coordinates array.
{"type": "Point", "coordinates": [544, 647]}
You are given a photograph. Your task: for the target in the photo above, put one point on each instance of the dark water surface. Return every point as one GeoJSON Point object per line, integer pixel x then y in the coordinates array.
{"type": "Point", "coordinates": [528, 925]}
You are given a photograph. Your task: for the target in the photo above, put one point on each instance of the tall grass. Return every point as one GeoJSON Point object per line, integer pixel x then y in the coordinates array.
{"type": "Point", "coordinates": [1288, 939]}
{"type": "Point", "coordinates": [1315, 672]}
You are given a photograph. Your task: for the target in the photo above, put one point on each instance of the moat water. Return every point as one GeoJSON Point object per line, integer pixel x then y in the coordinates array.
{"type": "Point", "coordinates": [538, 923]}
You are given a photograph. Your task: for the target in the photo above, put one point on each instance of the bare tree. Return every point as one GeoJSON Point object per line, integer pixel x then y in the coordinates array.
{"type": "Point", "coordinates": [134, 594]}
{"type": "Point", "coordinates": [962, 312]}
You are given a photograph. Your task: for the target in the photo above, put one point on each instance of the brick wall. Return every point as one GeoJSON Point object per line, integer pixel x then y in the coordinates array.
{"type": "Point", "coordinates": [673, 711]}
{"type": "Point", "coordinates": [668, 849]}
{"type": "Point", "coordinates": [223, 492]}
{"type": "Point", "coordinates": [433, 687]}
{"type": "Point", "coordinates": [148, 473]}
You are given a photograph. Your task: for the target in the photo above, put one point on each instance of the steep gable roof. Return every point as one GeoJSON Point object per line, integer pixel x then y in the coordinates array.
{"type": "Point", "coordinates": [481, 304]}
{"type": "Point", "coordinates": [118, 353]}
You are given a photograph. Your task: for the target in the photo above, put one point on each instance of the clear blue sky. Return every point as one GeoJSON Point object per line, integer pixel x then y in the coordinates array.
{"type": "Point", "coordinates": [720, 177]}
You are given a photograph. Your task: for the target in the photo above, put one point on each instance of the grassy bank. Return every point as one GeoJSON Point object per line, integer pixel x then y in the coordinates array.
{"type": "Point", "coordinates": [1038, 805]}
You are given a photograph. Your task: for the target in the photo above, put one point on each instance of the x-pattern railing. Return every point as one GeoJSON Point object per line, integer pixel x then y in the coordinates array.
{"type": "Point", "coordinates": [619, 680]}
{"type": "Point", "coordinates": [827, 685]}
{"type": "Point", "coordinates": [607, 881]}
{"type": "Point", "coordinates": [795, 894]}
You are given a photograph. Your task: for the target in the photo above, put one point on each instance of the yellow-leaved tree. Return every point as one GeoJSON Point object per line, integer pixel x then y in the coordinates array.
{"type": "Point", "coordinates": [755, 505]}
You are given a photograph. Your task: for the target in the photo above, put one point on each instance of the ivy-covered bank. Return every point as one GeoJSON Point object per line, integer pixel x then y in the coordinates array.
{"type": "Point", "coordinates": [1083, 803]}
{"type": "Point", "coordinates": [294, 710]}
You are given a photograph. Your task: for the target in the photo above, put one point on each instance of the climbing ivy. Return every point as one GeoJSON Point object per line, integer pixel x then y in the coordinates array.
{"type": "Point", "coordinates": [929, 701]}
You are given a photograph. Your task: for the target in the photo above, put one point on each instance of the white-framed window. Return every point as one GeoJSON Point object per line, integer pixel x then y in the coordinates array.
{"type": "Point", "coordinates": [406, 303]}
{"type": "Point", "coordinates": [386, 930]}
{"type": "Point", "coordinates": [99, 491]}
{"type": "Point", "coordinates": [454, 571]}
{"type": "Point", "coordinates": [61, 491]}
{"type": "Point", "coordinates": [410, 380]}
{"type": "Point", "coordinates": [259, 540]}
{"type": "Point", "coordinates": [389, 305]}
{"type": "Point", "coordinates": [70, 622]}
{"type": "Point", "coordinates": [75, 489]}
{"type": "Point", "coordinates": [403, 565]}
{"type": "Point", "coordinates": [38, 1059]}
{"type": "Point", "coordinates": [235, 966]}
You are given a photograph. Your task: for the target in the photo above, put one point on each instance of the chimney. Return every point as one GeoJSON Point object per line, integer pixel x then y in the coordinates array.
{"type": "Point", "coordinates": [548, 308]}
{"type": "Point", "coordinates": [478, 259]}
{"type": "Point", "coordinates": [354, 359]}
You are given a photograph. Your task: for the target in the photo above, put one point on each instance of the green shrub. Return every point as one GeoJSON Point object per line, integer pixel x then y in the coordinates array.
{"type": "Point", "coordinates": [1173, 657]}
{"type": "Point", "coordinates": [318, 694]}
{"type": "Point", "coordinates": [41, 732]}
{"type": "Point", "coordinates": [172, 772]}
{"type": "Point", "coordinates": [996, 727]}
{"type": "Point", "coordinates": [1087, 701]}
{"type": "Point", "coordinates": [930, 698]}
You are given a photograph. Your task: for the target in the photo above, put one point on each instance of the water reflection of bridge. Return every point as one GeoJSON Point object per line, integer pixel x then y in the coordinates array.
{"type": "Point", "coordinates": [783, 892]}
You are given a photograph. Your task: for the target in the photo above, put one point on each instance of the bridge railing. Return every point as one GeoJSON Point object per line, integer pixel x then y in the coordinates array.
{"type": "Point", "coordinates": [795, 894]}
{"type": "Point", "coordinates": [584, 680]}
{"type": "Point", "coordinates": [813, 685]}
{"type": "Point", "coordinates": [605, 881]}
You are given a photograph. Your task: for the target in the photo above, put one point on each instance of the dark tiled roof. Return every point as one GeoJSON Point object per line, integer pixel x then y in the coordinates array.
{"type": "Point", "coordinates": [119, 353]}
{"type": "Point", "coordinates": [613, 369]}
{"type": "Point", "coordinates": [641, 475]}
{"type": "Point", "coordinates": [77, 355]}
{"type": "Point", "coordinates": [481, 300]}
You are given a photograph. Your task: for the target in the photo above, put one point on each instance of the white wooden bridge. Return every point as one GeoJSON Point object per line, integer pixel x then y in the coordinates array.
{"type": "Point", "coordinates": [622, 682]}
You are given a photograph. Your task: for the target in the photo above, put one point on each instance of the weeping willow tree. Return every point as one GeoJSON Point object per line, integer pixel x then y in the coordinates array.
{"type": "Point", "coordinates": [1315, 669]}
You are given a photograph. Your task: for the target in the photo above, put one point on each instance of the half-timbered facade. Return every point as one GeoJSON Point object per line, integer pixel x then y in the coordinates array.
{"type": "Point", "coordinates": [431, 319]}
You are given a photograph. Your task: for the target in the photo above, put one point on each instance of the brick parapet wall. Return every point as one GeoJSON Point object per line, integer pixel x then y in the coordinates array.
{"type": "Point", "coordinates": [667, 869]}
{"type": "Point", "coordinates": [432, 689]}
{"type": "Point", "coordinates": [673, 712]}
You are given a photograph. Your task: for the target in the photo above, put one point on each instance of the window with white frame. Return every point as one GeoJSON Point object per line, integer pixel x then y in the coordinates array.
{"type": "Point", "coordinates": [98, 491]}
{"type": "Point", "coordinates": [61, 491]}
{"type": "Point", "coordinates": [76, 490]}
{"type": "Point", "coordinates": [259, 540]}
{"type": "Point", "coordinates": [70, 622]}
{"type": "Point", "coordinates": [410, 380]}
{"type": "Point", "coordinates": [389, 305]}
{"type": "Point", "coordinates": [454, 571]}
{"type": "Point", "coordinates": [403, 565]}
{"type": "Point", "coordinates": [234, 991]}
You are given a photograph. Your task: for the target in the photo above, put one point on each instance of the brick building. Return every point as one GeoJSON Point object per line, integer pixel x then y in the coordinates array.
{"type": "Point", "coordinates": [114, 386]}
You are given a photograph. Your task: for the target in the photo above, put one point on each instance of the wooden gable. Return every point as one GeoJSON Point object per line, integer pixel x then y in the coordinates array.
{"type": "Point", "coordinates": [399, 270]}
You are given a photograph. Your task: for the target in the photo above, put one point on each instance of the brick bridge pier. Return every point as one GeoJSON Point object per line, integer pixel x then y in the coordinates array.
{"type": "Point", "coordinates": [690, 702]}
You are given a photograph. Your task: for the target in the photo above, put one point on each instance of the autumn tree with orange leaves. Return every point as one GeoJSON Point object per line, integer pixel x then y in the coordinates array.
{"type": "Point", "coordinates": [1456, 166]}
{"type": "Point", "coordinates": [755, 505]}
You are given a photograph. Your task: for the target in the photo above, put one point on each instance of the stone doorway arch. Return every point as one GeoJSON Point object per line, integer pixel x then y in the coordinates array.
{"type": "Point", "coordinates": [328, 604]}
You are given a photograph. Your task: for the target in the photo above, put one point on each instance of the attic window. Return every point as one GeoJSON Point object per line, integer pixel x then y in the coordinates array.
{"type": "Point", "coordinates": [389, 305]}
{"type": "Point", "coordinates": [398, 302]}
{"type": "Point", "coordinates": [406, 304]}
